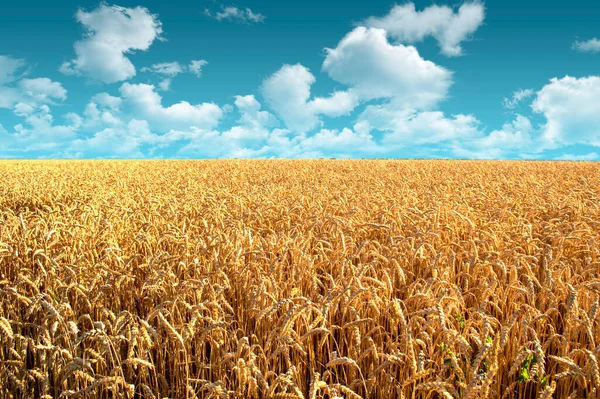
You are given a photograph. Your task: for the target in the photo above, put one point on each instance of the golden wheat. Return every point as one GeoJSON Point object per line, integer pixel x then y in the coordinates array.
{"type": "Point", "coordinates": [299, 279]}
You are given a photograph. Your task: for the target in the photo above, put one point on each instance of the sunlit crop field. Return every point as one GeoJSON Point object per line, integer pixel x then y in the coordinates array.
{"type": "Point", "coordinates": [299, 279]}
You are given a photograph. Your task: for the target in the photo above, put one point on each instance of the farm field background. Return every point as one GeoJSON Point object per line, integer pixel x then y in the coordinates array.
{"type": "Point", "coordinates": [299, 279]}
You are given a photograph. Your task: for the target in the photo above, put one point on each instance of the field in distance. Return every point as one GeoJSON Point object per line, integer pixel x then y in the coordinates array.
{"type": "Point", "coordinates": [299, 279]}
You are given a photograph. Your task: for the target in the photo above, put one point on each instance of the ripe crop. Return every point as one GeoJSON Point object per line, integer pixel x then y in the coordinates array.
{"type": "Point", "coordinates": [299, 279]}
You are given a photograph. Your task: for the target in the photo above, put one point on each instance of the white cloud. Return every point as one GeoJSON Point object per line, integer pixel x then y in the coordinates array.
{"type": "Point", "coordinates": [572, 118]}
{"type": "Point", "coordinates": [23, 109]}
{"type": "Point", "coordinates": [338, 104]}
{"type": "Point", "coordinates": [8, 68]}
{"type": "Point", "coordinates": [196, 67]}
{"type": "Point", "coordinates": [240, 140]}
{"type": "Point", "coordinates": [112, 33]}
{"type": "Point", "coordinates": [95, 115]}
{"type": "Point", "coordinates": [245, 136]}
{"type": "Point", "coordinates": [251, 115]}
{"type": "Point", "coordinates": [572, 110]}
{"type": "Point", "coordinates": [514, 137]}
{"type": "Point", "coordinates": [144, 100]}
{"type": "Point", "coordinates": [287, 92]}
{"type": "Point", "coordinates": [592, 156]}
{"type": "Point", "coordinates": [137, 140]}
{"type": "Point", "coordinates": [247, 103]}
{"type": "Point", "coordinates": [115, 142]}
{"type": "Point", "coordinates": [106, 100]}
{"type": "Point", "coordinates": [449, 28]}
{"type": "Point", "coordinates": [9, 96]}
{"type": "Point", "coordinates": [14, 88]}
{"type": "Point", "coordinates": [517, 97]}
{"type": "Point", "coordinates": [237, 142]}
{"type": "Point", "coordinates": [166, 68]}
{"type": "Point", "coordinates": [32, 91]}
{"type": "Point", "coordinates": [165, 84]}
{"type": "Point", "coordinates": [172, 69]}
{"type": "Point", "coordinates": [246, 15]}
{"type": "Point", "coordinates": [43, 90]}
{"type": "Point", "coordinates": [588, 46]}
{"type": "Point", "coordinates": [102, 110]}
{"type": "Point", "coordinates": [404, 127]}
{"type": "Point", "coordinates": [206, 144]}
{"type": "Point", "coordinates": [374, 68]}
{"type": "Point", "coordinates": [256, 137]}
{"type": "Point", "coordinates": [41, 132]}
{"type": "Point", "coordinates": [345, 143]}
{"type": "Point", "coordinates": [120, 134]}
{"type": "Point", "coordinates": [3, 130]}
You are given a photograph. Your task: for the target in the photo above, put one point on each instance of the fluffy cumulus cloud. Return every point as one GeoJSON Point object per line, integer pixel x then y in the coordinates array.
{"type": "Point", "coordinates": [515, 137]}
{"type": "Point", "coordinates": [144, 100]}
{"type": "Point", "coordinates": [344, 143]}
{"type": "Point", "coordinates": [103, 109]}
{"type": "Point", "coordinates": [244, 139]}
{"type": "Point", "coordinates": [517, 98]}
{"type": "Point", "coordinates": [95, 114]}
{"type": "Point", "coordinates": [236, 14]}
{"type": "Point", "coordinates": [43, 90]}
{"type": "Point", "coordinates": [115, 142]}
{"type": "Point", "coordinates": [108, 101]}
{"type": "Point", "coordinates": [32, 91]}
{"type": "Point", "coordinates": [374, 68]}
{"type": "Point", "coordinates": [212, 144]}
{"type": "Point", "coordinates": [41, 121]}
{"type": "Point", "coordinates": [588, 46]}
{"type": "Point", "coordinates": [257, 135]}
{"type": "Point", "coordinates": [572, 117]}
{"type": "Point", "coordinates": [247, 138]}
{"type": "Point", "coordinates": [236, 142]}
{"type": "Point", "coordinates": [572, 111]}
{"type": "Point", "coordinates": [250, 113]}
{"type": "Point", "coordinates": [404, 127]}
{"type": "Point", "coordinates": [288, 93]}
{"type": "Point", "coordinates": [337, 104]}
{"type": "Point", "coordinates": [112, 32]}
{"type": "Point", "coordinates": [138, 138]}
{"type": "Point", "coordinates": [407, 25]}
{"type": "Point", "coordinates": [28, 98]}
{"type": "Point", "coordinates": [39, 132]}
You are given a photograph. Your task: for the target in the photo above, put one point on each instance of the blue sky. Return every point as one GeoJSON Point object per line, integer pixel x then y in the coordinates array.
{"type": "Point", "coordinates": [496, 79]}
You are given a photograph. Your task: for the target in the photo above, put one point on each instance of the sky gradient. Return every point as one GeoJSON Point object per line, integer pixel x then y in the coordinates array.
{"type": "Point", "coordinates": [484, 80]}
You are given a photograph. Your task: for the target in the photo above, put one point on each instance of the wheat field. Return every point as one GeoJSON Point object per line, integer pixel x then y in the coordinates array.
{"type": "Point", "coordinates": [299, 279]}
